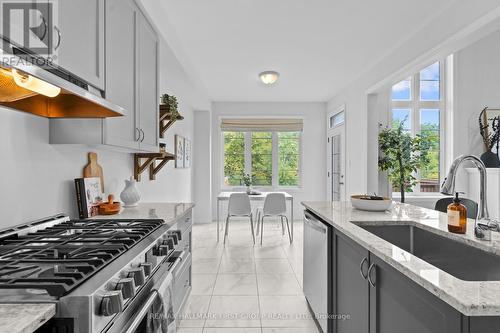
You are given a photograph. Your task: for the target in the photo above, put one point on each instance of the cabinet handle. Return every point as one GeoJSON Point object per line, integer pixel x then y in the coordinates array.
{"type": "Point", "coordinates": [58, 37]}
{"type": "Point", "coordinates": [142, 134]}
{"type": "Point", "coordinates": [361, 265]}
{"type": "Point", "coordinates": [372, 266]}
{"type": "Point", "coordinates": [137, 131]}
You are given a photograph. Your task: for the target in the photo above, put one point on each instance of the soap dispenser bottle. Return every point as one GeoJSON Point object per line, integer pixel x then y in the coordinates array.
{"type": "Point", "coordinates": [457, 216]}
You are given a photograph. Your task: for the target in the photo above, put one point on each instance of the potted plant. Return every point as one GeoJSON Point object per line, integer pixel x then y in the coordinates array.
{"type": "Point", "coordinates": [401, 155]}
{"type": "Point", "coordinates": [247, 180]}
{"type": "Point", "coordinates": [170, 103]}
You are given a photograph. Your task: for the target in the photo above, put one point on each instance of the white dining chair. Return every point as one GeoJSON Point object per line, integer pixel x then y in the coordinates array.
{"type": "Point", "coordinates": [239, 206]}
{"type": "Point", "coordinates": [274, 206]}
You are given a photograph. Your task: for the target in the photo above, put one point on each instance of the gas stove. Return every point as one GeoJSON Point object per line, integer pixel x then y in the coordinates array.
{"type": "Point", "coordinates": [100, 273]}
{"type": "Point", "coordinates": [60, 257]}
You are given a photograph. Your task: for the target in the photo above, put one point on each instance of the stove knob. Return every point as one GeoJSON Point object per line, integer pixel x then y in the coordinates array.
{"type": "Point", "coordinates": [138, 275]}
{"type": "Point", "coordinates": [171, 241]}
{"type": "Point", "coordinates": [178, 233]}
{"type": "Point", "coordinates": [148, 267]}
{"type": "Point", "coordinates": [127, 286]}
{"type": "Point", "coordinates": [173, 238]}
{"type": "Point", "coordinates": [112, 303]}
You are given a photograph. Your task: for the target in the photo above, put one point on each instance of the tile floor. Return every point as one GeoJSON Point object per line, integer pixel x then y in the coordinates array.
{"type": "Point", "coordinates": [242, 288]}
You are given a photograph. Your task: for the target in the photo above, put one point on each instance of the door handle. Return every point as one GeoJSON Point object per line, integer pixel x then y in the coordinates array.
{"type": "Point", "coordinates": [361, 265]}
{"type": "Point", "coordinates": [369, 275]}
{"type": "Point", "coordinates": [142, 134]}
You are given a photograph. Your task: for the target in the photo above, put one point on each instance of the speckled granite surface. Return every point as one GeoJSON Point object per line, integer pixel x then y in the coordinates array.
{"type": "Point", "coordinates": [24, 318]}
{"type": "Point", "coordinates": [472, 298]}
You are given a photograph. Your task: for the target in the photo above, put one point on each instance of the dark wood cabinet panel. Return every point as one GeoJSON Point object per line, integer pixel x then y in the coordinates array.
{"type": "Point", "coordinates": [350, 290]}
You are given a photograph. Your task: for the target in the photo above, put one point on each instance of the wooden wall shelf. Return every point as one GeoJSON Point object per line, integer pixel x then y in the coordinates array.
{"type": "Point", "coordinates": [144, 161]}
{"type": "Point", "coordinates": [167, 119]}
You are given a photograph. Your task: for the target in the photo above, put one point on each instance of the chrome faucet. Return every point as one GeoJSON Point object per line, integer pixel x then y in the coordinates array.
{"type": "Point", "coordinates": [483, 218]}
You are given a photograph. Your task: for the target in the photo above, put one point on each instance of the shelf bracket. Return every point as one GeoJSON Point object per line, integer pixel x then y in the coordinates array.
{"type": "Point", "coordinates": [139, 168]}
{"type": "Point", "coordinates": [154, 169]}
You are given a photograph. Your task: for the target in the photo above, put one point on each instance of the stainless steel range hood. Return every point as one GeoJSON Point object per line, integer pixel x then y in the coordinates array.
{"type": "Point", "coordinates": [70, 100]}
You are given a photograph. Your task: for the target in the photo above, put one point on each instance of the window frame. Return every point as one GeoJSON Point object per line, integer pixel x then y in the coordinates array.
{"type": "Point", "coordinates": [275, 162]}
{"type": "Point", "coordinates": [415, 105]}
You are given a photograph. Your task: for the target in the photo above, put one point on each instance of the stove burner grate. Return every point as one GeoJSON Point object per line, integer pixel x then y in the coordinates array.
{"type": "Point", "coordinates": [60, 257]}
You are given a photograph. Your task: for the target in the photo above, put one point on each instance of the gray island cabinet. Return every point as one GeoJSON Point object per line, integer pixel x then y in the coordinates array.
{"type": "Point", "coordinates": [377, 298]}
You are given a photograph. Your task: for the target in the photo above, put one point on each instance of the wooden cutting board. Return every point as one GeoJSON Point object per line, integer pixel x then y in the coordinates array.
{"type": "Point", "coordinates": [93, 169]}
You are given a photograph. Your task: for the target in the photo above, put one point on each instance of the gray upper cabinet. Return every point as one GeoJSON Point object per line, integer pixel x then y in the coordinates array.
{"type": "Point", "coordinates": [121, 27]}
{"type": "Point", "coordinates": [398, 305]}
{"type": "Point", "coordinates": [147, 73]}
{"type": "Point", "coordinates": [132, 67]}
{"type": "Point", "coordinates": [78, 39]}
{"type": "Point", "coordinates": [350, 289]}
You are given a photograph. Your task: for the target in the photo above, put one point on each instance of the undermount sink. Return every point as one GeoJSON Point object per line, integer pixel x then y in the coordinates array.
{"type": "Point", "coordinates": [458, 259]}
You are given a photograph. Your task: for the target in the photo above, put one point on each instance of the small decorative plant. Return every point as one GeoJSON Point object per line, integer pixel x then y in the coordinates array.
{"type": "Point", "coordinates": [171, 102]}
{"type": "Point", "coordinates": [401, 155]}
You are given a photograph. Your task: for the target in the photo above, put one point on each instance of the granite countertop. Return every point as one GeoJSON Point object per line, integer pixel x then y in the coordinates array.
{"type": "Point", "coordinates": [168, 211]}
{"type": "Point", "coordinates": [472, 298]}
{"type": "Point", "coordinates": [24, 318]}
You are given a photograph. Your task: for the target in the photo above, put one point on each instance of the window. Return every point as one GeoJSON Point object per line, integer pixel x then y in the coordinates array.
{"type": "Point", "coordinates": [262, 158]}
{"type": "Point", "coordinates": [234, 158]}
{"type": "Point", "coordinates": [272, 158]}
{"type": "Point", "coordinates": [418, 102]}
{"type": "Point", "coordinates": [289, 157]}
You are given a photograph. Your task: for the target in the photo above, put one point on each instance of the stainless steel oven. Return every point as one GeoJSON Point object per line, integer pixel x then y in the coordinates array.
{"type": "Point", "coordinates": [152, 310]}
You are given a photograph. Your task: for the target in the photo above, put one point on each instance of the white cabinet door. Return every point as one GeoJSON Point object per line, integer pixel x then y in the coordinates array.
{"type": "Point", "coordinates": [121, 23]}
{"type": "Point", "coordinates": [147, 72]}
{"type": "Point", "coordinates": [78, 39]}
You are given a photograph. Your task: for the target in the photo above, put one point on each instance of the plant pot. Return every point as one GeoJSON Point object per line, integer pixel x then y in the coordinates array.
{"type": "Point", "coordinates": [490, 159]}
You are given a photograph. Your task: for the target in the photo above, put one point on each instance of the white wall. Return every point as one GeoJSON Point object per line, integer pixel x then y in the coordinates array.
{"type": "Point", "coordinates": [313, 144]}
{"type": "Point", "coordinates": [477, 85]}
{"type": "Point", "coordinates": [37, 178]}
{"type": "Point", "coordinates": [465, 21]}
{"type": "Point", "coordinates": [202, 160]}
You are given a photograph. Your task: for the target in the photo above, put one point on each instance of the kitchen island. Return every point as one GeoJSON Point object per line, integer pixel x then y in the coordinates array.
{"type": "Point", "coordinates": [387, 287]}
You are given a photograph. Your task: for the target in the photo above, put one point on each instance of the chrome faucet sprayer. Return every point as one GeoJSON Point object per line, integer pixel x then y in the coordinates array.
{"type": "Point", "coordinates": [448, 187]}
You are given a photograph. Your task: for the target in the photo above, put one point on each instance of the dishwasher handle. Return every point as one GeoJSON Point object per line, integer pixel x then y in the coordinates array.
{"type": "Point", "coordinates": [314, 224]}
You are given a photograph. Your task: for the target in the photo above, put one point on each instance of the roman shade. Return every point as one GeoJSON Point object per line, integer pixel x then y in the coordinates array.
{"type": "Point", "coordinates": [262, 125]}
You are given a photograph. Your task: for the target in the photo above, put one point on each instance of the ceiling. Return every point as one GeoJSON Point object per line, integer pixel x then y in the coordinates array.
{"type": "Point", "coordinates": [318, 46]}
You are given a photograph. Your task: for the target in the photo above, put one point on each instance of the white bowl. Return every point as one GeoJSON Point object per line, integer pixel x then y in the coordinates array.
{"type": "Point", "coordinates": [370, 205]}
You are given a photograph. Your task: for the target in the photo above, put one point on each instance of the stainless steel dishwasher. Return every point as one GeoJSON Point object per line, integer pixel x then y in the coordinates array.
{"type": "Point", "coordinates": [317, 268]}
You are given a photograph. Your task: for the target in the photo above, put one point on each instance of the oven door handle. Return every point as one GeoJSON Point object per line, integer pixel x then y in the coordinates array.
{"type": "Point", "coordinates": [144, 311]}
{"type": "Point", "coordinates": [177, 262]}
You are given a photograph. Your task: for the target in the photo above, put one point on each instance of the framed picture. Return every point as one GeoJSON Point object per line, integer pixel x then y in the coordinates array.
{"type": "Point", "coordinates": [489, 121]}
{"type": "Point", "coordinates": [187, 153]}
{"type": "Point", "coordinates": [179, 151]}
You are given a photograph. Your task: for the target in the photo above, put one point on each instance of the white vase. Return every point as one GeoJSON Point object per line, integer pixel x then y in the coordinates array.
{"type": "Point", "coordinates": [130, 195]}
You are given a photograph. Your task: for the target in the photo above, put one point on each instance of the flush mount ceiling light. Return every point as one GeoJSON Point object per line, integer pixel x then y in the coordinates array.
{"type": "Point", "coordinates": [269, 77]}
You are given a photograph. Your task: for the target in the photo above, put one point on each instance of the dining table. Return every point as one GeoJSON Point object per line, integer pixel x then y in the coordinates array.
{"type": "Point", "coordinates": [261, 196]}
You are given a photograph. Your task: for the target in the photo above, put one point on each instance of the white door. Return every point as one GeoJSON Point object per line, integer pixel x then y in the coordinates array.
{"type": "Point", "coordinates": [336, 156]}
